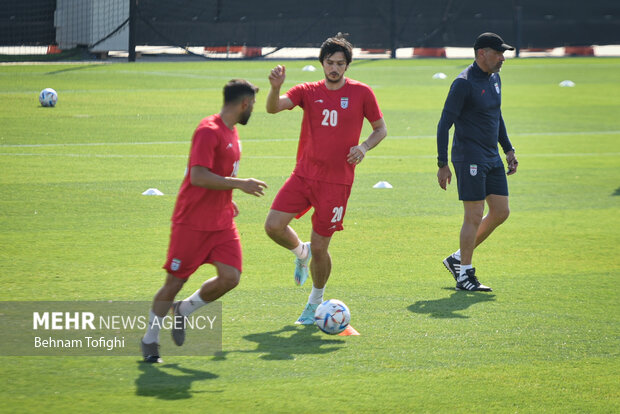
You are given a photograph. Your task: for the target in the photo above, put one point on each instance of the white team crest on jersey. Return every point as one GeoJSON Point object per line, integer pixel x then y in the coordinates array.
{"type": "Point", "coordinates": [175, 265]}
{"type": "Point", "coordinates": [344, 103]}
{"type": "Point", "coordinates": [473, 169]}
{"type": "Point", "coordinates": [497, 87]}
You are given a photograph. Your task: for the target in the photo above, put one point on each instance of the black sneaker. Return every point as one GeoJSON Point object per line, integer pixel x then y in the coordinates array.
{"type": "Point", "coordinates": [471, 282]}
{"type": "Point", "coordinates": [150, 352]}
{"type": "Point", "coordinates": [178, 325]}
{"type": "Point", "coordinates": [453, 265]}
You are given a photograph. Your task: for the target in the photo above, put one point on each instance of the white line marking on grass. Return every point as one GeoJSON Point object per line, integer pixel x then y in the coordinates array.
{"type": "Point", "coordinates": [260, 140]}
{"type": "Point", "coordinates": [92, 144]}
{"type": "Point", "coordinates": [277, 157]}
{"type": "Point", "coordinates": [8, 154]}
{"type": "Point", "coordinates": [523, 134]}
{"type": "Point", "coordinates": [521, 155]}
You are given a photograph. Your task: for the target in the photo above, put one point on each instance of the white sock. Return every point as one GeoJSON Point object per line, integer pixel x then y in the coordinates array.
{"type": "Point", "coordinates": [464, 269]}
{"type": "Point", "coordinates": [191, 303]}
{"type": "Point", "coordinates": [301, 251]}
{"type": "Point", "coordinates": [457, 255]}
{"type": "Point", "coordinates": [152, 331]}
{"type": "Point", "coordinates": [316, 296]}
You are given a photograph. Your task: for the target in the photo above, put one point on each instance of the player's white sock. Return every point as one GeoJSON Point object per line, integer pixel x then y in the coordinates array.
{"type": "Point", "coordinates": [301, 251]}
{"type": "Point", "coordinates": [191, 303]}
{"type": "Point", "coordinates": [457, 255]}
{"type": "Point", "coordinates": [152, 331]}
{"type": "Point", "coordinates": [316, 296]}
{"type": "Point", "coordinates": [464, 268]}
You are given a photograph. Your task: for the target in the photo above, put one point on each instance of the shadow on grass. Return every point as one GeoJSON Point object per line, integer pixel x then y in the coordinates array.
{"type": "Point", "coordinates": [617, 192]}
{"type": "Point", "coordinates": [287, 342]}
{"type": "Point", "coordinates": [157, 381]}
{"type": "Point", "coordinates": [447, 307]}
{"type": "Point", "coordinates": [72, 69]}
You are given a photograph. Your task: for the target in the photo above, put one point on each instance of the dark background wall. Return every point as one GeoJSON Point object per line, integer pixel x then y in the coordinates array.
{"type": "Point", "coordinates": [386, 24]}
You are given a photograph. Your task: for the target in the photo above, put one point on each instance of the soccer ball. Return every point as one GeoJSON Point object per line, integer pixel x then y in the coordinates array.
{"type": "Point", "coordinates": [48, 97]}
{"type": "Point", "coordinates": [332, 316]}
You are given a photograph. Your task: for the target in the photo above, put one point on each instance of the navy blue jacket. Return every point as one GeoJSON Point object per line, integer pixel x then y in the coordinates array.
{"type": "Point", "coordinates": [473, 105]}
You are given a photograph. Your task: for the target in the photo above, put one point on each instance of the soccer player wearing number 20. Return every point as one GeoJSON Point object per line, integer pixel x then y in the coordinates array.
{"type": "Point", "coordinates": [327, 154]}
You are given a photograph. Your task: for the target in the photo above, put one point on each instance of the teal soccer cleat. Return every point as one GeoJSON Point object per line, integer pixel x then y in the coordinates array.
{"type": "Point", "coordinates": [307, 316]}
{"type": "Point", "coordinates": [301, 267]}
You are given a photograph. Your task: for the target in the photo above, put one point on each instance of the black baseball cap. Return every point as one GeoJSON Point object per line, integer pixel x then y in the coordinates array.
{"type": "Point", "coordinates": [493, 41]}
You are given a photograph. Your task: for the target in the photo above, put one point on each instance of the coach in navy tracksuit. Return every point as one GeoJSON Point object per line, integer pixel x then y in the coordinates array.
{"type": "Point", "coordinates": [474, 107]}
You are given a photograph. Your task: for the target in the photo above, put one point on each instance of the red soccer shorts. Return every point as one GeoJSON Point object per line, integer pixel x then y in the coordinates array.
{"type": "Point", "coordinates": [189, 249]}
{"type": "Point", "coordinates": [329, 200]}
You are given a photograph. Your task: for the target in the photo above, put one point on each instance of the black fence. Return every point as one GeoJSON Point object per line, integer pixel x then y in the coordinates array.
{"type": "Point", "coordinates": [374, 24]}
{"type": "Point", "coordinates": [386, 24]}
{"type": "Point", "coordinates": [27, 22]}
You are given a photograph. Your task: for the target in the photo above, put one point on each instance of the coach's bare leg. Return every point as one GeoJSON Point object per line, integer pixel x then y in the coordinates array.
{"type": "Point", "coordinates": [498, 213]}
{"type": "Point", "coordinates": [321, 263]}
{"type": "Point", "coordinates": [227, 279]}
{"type": "Point", "coordinates": [166, 294]}
{"type": "Point", "coordinates": [278, 229]}
{"type": "Point", "coordinates": [471, 224]}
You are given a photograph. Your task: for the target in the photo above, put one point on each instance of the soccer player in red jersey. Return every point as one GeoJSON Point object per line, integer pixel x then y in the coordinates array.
{"type": "Point", "coordinates": [327, 154]}
{"type": "Point", "coordinates": [203, 229]}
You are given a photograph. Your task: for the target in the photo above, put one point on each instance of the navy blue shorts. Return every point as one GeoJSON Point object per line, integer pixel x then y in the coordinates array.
{"type": "Point", "coordinates": [475, 181]}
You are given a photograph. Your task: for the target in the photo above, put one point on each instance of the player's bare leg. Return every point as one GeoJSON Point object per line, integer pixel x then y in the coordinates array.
{"type": "Point", "coordinates": [166, 294]}
{"type": "Point", "coordinates": [321, 265]}
{"type": "Point", "coordinates": [227, 279]}
{"type": "Point", "coordinates": [473, 211]}
{"type": "Point", "coordinates": [161, 304]}
{"type": "Point", "coordinates": [278, 229]}
{"type": "Point", "coordinates": [499, 211]}
{"type": "Point", "coordinates": [467, 279]}
{"type": "Point", "coordinates": [320, 268]}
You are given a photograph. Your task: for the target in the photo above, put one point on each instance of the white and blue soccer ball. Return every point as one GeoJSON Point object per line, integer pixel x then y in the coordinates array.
{"type": "Point", "coordinates": [332, 316]}
{"type": "Point", "coordinates": [48, 97]}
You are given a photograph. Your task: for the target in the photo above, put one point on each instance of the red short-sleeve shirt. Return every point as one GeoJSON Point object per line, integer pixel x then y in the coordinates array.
{"type": "Point", "coordinates": [331, 125]}
{"type": "Point", "coordinates": [216, 147]}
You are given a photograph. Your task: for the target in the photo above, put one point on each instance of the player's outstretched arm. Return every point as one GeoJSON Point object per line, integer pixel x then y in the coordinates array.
{"type": "Point", "coordinates": [275, 102]}
{"type": "Point", "coordinates": [250, 186]}
{"type": "Point", "coordinates": [203, 177]}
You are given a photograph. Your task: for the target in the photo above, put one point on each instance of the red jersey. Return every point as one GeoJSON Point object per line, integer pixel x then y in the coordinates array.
{"type": "Point", "coordinates": [331, 125]}
{"type": "Point", "coordinates": [217, 148]}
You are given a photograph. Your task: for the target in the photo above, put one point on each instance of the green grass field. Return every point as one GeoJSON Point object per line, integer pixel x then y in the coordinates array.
{"type": "Point", "coordinates": [75, 227]}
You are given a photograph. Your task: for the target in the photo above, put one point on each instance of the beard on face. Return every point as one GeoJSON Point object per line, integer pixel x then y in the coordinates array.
{"type": "Point", "coordinates": [338, 79]}
{"type": "Point", "coordinates": [245, 116]}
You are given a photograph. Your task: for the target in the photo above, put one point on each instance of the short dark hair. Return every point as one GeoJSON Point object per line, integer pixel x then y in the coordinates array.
{"type": "Point", "coordinates": [335, 44]}
{"type": "Point", "coordinates": [238, 89]}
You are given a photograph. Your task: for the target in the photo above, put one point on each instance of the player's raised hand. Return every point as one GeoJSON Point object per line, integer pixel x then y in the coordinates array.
{"type": "Point", "coordinates": [252, 186]}
{"type": "Point", "coordinates": [277, 76]}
